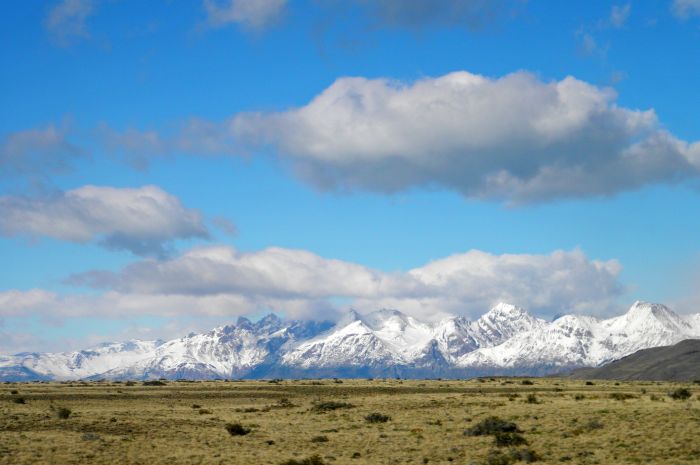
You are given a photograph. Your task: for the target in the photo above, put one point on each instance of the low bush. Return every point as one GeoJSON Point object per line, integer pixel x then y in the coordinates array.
{"type": "Point", "coordinates": [680, 394]}
{"type": "Point", "coordinates": [236, 429]}
{"type": "Point", "coordinates": [509, 439]}
{"type": "Point", "coordinates": [321, 407]}
{"type": "Point", "coordinates": [19, 400]}
{"type": "Point", "coordinates": [313, 460]}
{"type": "Point", "coordinates": [492, 425]}
{"type": "Point", "coordinates": [155, 382]}
{"type": "Point", "coordinates": [377, 418]}
{"type": "Point", "coordinates": [532, 399]}
{"type": "Point", "coordinates": [526, 382]}
{"type": "Point", "coordinates": [590, 383]}
{"type": "Point", "coordinates": [622, 396]}
{"type": "Point", "coordinates": [319, 439]}
{"type": "Point", "coordinates": [63, 413]}
{"type": "Point", "coordinates": [499, 457]}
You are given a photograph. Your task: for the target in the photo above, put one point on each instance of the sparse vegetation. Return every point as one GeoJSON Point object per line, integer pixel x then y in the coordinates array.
{"type": "Point", "coordinates": [622, 396]}
{"type": "Point", "coordinates": [281, 422]}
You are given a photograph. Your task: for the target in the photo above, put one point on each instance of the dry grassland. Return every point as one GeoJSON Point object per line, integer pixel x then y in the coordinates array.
{"type": "Point", "coordinates": [309, 422]}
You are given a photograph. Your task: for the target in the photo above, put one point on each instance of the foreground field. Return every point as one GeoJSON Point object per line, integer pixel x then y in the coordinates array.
{"type": "Point", "coordinates": [332, 422]}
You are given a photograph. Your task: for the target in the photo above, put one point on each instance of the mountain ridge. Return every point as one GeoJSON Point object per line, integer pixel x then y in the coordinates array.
{"type": "Point", "coordinates": [387, 343]}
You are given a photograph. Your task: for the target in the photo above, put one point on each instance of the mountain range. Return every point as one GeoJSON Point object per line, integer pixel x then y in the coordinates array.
{"type": "Point", "coordinates": [506, 340]}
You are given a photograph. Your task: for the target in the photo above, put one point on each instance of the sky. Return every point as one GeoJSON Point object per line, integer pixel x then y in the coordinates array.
{"type": "Point", "coordinates": [168, 166]}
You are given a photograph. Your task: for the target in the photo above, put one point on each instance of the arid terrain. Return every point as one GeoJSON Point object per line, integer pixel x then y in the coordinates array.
{"type": "Point", "coordinates": [351, 422]}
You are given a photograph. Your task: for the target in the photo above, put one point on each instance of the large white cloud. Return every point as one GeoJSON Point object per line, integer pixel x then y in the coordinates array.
{"type": "Point", "coordinates": [516, 138]}
{"type": "Point", "coordinates": [300, 283]}
{"type": "Point", "coordinates": [142, 220]}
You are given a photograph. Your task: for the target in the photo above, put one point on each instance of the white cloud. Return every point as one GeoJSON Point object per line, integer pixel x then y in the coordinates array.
{"type": "Point", "coordinates": [66, 21]}
{"type": "Point", "coordinates": [251, 14]}
{"type": "Point", "coordinates": [686, 8]}
{"type": "Point", "coordinates": [515, 138]}
{"type": "Point", "coordinates": [221, 280]}
{"type": "Point", "coordinates": [142, 220]}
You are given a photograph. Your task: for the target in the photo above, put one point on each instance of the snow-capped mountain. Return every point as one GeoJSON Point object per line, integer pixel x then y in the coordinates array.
{"type": "Point", "coordinates": [505, 340]}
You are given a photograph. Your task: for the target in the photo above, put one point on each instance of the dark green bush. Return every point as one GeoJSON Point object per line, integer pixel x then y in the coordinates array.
{"type": "Point", "coordinates": [156, 382]}
{"type": "Point", "coordinates": [526, 382]}
{"type": "Point", "coordinates": [19, 400]}
{"type": "Point", "coordinates": [327, 406]}
{"type": "Point", "coordinates": [377, 418]}
{"type": "Point", "coordinates": [313, 460]}
{"type": "Point", "coordinates": [319, 439]}
{"type": "Point", "coordinates": [590, 383]}
{"type": "Point", "coordinates": [680, 394]}
{"type": "Point", "coordinates": [63, 413]}
{"type": "Point", "coordinates": [509, 439]}
{"type": "Point", "coordinates": [622, 396]}
{"type": "Point", "coordinates": [236, 429]}
{"type": "Point", "coordinates": [492, 425]}
{"type": "Point", "coordinates": [498, 457]}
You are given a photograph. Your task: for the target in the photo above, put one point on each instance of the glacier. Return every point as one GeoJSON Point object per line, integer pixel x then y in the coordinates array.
{"type": "Point", "coordinates": [506, 340]}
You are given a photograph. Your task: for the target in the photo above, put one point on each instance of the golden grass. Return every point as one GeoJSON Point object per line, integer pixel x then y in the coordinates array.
{"type": "Point", "coordinates": [185, 422]}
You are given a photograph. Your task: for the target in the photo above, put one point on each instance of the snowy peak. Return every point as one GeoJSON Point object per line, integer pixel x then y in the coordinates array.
{"type": "Point", "coordinates": [505, 340]}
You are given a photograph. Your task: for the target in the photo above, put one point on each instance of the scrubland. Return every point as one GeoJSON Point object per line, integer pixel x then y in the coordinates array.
{"type": "Point", "coordinates": [491, 421]}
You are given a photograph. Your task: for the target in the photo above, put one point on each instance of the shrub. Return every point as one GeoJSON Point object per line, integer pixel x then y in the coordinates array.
{"type": "Point", "coordinates": [236, 429]}
{"type": "Point", "coordinates": [593, 425]}
{"type": "Point", "coordinates": [509, 439]}
{"type": "Point", "coordinates": [680, 394]}
{"type": "Point", "coordinates": [377, 418]}
{"type": "Point", "coordinates": [497, 457]}
{"type": "Point", "coordinates": [321, 407]}
{"type": "Point", "coordinates": [205, 411]}
{"type": "Point", "coordinates": [492, 425]}
{"type": "Point", "coordinates": [590, 383]}
{"type": "Point", "coordinates": [579, 397]}
{"type": "Point", "coordinates": [63, 413]}
{"type": "Point", "coordinates": [14, 392]}
{"type": "Point", "coordinates": [526, 382]}
{"type": "Point", "coordinates": [196, 406]}
{"type": "Point", "coordinates": [622, 396]}
{"type": "Point", "coordinates": [130, 383]}
{"type": "Point", "coordinates": [532, 399]}
{"type": "Point", "coordinates": [313, 460]}
{"type": "Point", "coordinates": [156, 382]}
{"type": "Point", "coordinates": [319, 439]}
{"type": "Point", "coordinates": [19, 400]}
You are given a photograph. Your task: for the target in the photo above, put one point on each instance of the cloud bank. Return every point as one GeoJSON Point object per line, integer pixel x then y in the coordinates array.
{"type": "Point", "coordinates": [142, 220]}
{"type": "Point", "coordinates": [684, 9]}
{"type": "Point", "coordinates": [222, 280]}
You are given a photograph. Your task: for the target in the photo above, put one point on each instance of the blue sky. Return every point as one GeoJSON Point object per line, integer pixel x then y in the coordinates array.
{"type": "Point", "coordinates": [167, 166]}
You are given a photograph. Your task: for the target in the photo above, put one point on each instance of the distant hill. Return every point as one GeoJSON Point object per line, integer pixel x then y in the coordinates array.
{"type": "Point", "coordinates": [680, 362]}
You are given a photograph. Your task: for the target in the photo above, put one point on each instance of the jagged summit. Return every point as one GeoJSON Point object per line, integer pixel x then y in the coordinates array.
{"type": "Point", "coordinates": [506, 339]}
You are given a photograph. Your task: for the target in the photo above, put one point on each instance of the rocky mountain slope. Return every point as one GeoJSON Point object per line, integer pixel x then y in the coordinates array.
{"type": "Point", "coordinates": [679, 362]}
{"type": "Point", "coordinates": [505, 340]}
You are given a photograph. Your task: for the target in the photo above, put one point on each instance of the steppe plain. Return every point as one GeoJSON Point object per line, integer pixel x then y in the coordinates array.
{"type": "Point", "coordinates": [379, 421]}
